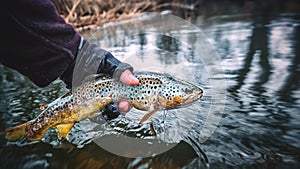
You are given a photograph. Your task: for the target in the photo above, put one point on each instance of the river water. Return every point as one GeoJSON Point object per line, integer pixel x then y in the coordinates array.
{"type": "Point", "coordinates": [246, 58]}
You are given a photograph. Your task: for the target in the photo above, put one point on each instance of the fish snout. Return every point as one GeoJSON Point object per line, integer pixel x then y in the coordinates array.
{"type": "Point", "coordinates": [193, 95]}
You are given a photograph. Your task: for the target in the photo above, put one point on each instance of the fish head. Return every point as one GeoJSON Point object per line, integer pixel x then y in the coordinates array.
{"type": "Point", "coordinates": [178, 93]}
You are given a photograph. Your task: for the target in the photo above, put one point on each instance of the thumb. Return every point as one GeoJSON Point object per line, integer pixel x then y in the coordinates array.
{"type": "Point", "coordinates": [128, 78]}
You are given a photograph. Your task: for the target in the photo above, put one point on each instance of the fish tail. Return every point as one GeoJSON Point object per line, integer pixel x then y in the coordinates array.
{"type": "Point", "coordinates": [16, 133]}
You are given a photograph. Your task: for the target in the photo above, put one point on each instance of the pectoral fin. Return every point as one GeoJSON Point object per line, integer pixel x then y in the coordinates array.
{"type": "Point", "coordinates": [64, 129]}
{"type": "Point", "coordinates": [147, 115]}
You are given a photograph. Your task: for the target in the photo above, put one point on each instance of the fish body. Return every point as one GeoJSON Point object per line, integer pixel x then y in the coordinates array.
{"type": "Point", "coordinates": [154, 92]}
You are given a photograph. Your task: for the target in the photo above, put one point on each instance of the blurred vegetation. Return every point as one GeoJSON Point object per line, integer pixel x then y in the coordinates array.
{"type": "Point", "coordinates": [83, 14]}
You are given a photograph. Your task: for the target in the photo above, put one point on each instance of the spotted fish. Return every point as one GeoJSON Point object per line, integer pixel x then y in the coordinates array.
{"type": "Point", "coordinates": [154, 92]}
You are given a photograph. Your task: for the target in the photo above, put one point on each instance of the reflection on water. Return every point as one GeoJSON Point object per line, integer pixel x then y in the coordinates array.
{"type": "Point", "coordinates": [260, 51]}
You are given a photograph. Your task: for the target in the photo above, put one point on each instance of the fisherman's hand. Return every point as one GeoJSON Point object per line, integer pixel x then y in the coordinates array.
{"type": "Point", "coordinates": [128, 79]}
{"type": "Point", "coordinates": [111, 110]}
{"type": "Point", "coordinates": [93, 60]}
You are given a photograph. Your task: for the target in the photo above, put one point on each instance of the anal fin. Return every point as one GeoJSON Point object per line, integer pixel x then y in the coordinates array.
{"type": "Point", "coordinates": [64, 129]}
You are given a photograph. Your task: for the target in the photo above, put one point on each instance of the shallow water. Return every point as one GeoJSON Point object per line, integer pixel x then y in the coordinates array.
{"type": "Point", "coordinates": [259, 51]}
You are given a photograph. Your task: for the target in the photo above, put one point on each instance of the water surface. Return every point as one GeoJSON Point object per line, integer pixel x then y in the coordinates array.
{"type": "Point", "coordinates": [259, 48]}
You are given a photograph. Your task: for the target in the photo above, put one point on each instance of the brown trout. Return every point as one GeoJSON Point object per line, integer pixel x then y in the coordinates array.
{"type": "Point", "coordinates": [154, 92]}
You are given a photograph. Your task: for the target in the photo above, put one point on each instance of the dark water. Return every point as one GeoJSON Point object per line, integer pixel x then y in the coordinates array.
{"type": "Point", "coordinates": [259, 49]}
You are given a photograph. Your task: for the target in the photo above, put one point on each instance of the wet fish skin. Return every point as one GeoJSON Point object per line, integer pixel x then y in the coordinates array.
{"type": "Point", "coordinates": [61, 114]}
{"type": "Point", "coordinates": [154, 92]}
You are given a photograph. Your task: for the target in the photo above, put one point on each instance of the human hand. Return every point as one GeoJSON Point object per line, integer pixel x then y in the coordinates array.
{"type": "Point", "coordinates": [93, 60]}
{"type": "Point", "coordinates": [127, 78]}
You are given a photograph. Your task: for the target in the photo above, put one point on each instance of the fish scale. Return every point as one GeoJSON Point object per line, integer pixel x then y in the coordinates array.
{"type": "Point", "coordinates": [155, 91]}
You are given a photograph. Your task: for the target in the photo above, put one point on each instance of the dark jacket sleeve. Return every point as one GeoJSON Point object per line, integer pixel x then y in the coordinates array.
{"type": "Point", "coordinates": [35, 40]}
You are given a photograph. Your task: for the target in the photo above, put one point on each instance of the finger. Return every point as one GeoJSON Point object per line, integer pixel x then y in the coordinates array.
{"type": "Point", "coordinates": [128, 78]}
{"type": "Point", "coordinates": [124, 106]}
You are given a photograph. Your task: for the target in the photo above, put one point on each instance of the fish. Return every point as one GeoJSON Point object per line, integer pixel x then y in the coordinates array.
{"type": "Point", "coordinates": [154, 92]}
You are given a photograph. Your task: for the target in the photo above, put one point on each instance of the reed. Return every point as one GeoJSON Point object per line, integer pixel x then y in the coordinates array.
{"type": "Point", "coordinates": [84, 14]}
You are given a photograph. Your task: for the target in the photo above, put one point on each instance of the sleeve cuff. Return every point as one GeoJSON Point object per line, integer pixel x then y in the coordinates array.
{"type": "Point", "coordinates": [120, 69]}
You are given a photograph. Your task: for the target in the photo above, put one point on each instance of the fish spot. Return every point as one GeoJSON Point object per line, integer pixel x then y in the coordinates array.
{"type": "Point", "coordinates": [43, 106]}
{"type": "Point", "coordinates": [71, 106]}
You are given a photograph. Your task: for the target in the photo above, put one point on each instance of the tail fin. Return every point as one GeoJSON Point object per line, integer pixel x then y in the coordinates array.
{"type": "Point", "coordinates": [16, 133]}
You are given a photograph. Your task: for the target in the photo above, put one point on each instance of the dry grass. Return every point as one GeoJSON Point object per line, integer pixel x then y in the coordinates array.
{"type": "Point", "coordinates": [84, 14]}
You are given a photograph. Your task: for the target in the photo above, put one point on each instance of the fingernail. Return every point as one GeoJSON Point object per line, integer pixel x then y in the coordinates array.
{"type": "Point", "coordinates": [133, 80]}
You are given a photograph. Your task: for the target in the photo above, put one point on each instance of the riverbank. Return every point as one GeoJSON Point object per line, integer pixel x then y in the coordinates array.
{"type": "Point", "coordinates": [85, 14]}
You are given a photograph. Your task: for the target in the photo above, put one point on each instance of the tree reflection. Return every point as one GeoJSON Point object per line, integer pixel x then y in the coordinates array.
{"type": "Point", "coordinates": [258, 46]}
{"type": "Point", "coordinates": [170, 46]}
{"type": "Point", "coordinates": [292, 81]}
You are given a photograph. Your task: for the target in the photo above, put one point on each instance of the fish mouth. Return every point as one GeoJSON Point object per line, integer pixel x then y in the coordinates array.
{"type": "Point", "coordinates": [188, 100]}
{"type": "Point", "coordinates": [193, 97]}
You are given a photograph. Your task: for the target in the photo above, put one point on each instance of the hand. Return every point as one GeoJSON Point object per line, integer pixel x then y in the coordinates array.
{"type": "Point", "coordinates": [93, 60]}
{"type": "Point", "coordinates": [127, 78]}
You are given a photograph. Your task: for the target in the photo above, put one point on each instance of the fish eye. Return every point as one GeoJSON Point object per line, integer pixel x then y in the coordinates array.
{"type": "Point", "coordinates": [188, 91]}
